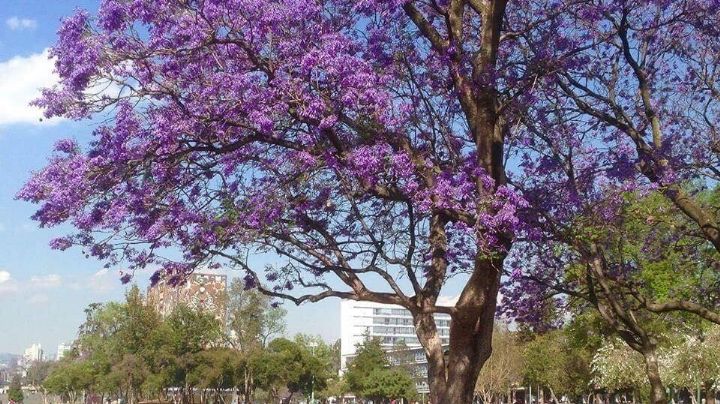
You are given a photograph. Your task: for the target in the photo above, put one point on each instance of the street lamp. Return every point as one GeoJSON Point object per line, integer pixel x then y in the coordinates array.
{"type": "Point", "coordinates": [313, 345]}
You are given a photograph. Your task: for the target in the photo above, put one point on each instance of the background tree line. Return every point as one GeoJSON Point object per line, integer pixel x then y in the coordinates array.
{"type": "Point", "coordinates": [127, 351]}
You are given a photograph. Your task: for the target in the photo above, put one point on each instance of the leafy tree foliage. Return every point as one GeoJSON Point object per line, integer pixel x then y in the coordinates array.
{"type": "Point", "coordinates": [15, 392]}
{"type": "Point", "coordinates": [70, 379]}
{"type": "Point", "coordinates": [38, 372]}
{"type": "Point", "coordinates": [253, 321]}
{"type": "Point", "coordinates": [551, 363]}
{"type": "Point", "coordinates": [289, 364]}
{"type": "Point", "coordinates": [252, 317]}
{"type": "Point", "coordinates": [616, 367]}
{"type": "Point", "coordinates": [650, 261]}
{"type": "Point", "coordinates": [370, 374]}
{"type": "Point", "coordinates": [381, 385]}
{"type": "Point", "coordinates": [127, 350]}
{"type": "Point", "coordinates": [504, 368]}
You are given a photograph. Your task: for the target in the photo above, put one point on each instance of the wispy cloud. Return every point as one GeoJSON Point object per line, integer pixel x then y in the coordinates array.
{"type": "Point", "coordinates": [16, 23]}
{"type": "Point", "coordinates": [103, 280]}
{"type": "Point", "coordinates": [46, 281]}
{"type": "Point", "coordinates": [21, 79]}
{"type": "Point", "coordinates": [4, 277]}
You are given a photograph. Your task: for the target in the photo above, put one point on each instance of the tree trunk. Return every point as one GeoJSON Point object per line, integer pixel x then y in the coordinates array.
{"type": "Point", "coordinates": [453, 372]}
{"type": "Point", "coordinates": [247, 387]}
{"type": "Point", "coordinates": [470, 337]}
{"type": "Point", "coordinates": [657, 389]}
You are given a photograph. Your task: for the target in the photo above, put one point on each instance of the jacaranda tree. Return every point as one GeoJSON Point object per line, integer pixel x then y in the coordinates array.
{"type": "Point", "coordinates": [631, 112]}
{"type": "Point", "coordinates": [375, 147]}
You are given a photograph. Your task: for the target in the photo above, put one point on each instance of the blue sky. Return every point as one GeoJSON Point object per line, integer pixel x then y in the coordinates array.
{"type": "Point", "coordinates": [43, 292]}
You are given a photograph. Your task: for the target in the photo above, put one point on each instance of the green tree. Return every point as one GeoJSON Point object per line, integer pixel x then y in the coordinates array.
{"type": "Point", "coordinates": [128, 375]}
{"type": "Point", "coordinates": [693, 361]}
{"type": "Point", "coordinates": [616, 368]}
{"type": "Point", "coordinates": [336, 387]}
{"type": "Point", "coordinates": [503, 369]}
{"type": "Point", "coordinates": [252, 318]}
{"type": "Point", "coordinates": [370, 374]}
{"type": "Point", "coordinates": [114, 342]}
{"type": "Point", "coordinates": [70, 379]}
{"type": "Point", "coordinates": [382, 385]}
{"type": "Point", "coordinates": [36, 375]}
{"type": "Point", "coordinates": [175, 345]}
{"type": "Point", "coordinates": [552, 363]}
{"type": "Point", "coordinates": [647, 261]}
{"type": "Point", "coordinates": [369, 358]}
{"type": "Point", "coordinates": [253, 322]}
{"type": "Point", "coordinates": [15, 392]}
{"type": "Point", "coordinates": [289, 364]}
{"type": "Point", "coordinates": [214, 370]}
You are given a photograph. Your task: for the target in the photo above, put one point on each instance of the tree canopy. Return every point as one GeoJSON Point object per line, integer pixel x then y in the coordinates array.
{"type": "Point", "coordinates": [403, 140]}
{"type": "Point", "coordinates": [370, 374]}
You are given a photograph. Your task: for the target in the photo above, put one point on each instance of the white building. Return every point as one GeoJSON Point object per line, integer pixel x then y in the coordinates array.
{"type": "Point", "coordinates": [62, 350]}
{"type": "Point", "coordinates": [393, 325]}
{"type": "Point", "coordinates": [33, 354]}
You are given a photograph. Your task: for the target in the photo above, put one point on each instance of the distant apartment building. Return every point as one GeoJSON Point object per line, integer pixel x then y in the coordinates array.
{"type": "Point", "coordinates": [33, 353]}
{"type": "Point", "coordinates": [392, 325]}
{"type": "Point", "coordinates": [201, 291]}
{"type": "Point", "coordinates": [62, 350]}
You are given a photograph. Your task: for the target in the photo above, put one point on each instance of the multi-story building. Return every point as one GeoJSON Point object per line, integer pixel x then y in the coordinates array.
{"type": "Point", "coordinates": [415, 361]}
{"type": "Point", "coordinates": [62, 350]}
{"type": "Point", "coordinates": [201, 291]}
{"type": "Point", "coordinates": [33, 354]}
{"type": "Point", "coordinates": [392, 325]}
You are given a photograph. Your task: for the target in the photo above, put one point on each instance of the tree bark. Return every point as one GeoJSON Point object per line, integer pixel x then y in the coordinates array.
{"type": "Point", "coordinates": [470, 337]}
{"type": "Point", "coordinates": [657, 389]}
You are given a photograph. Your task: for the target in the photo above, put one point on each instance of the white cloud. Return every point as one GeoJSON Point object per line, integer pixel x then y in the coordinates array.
{"type": "Point", "coordinates": [448, 300]}
{"type": "Point", "coordinates": [21, 79]}
{"type": "Point", "coordinates": [103, 281]}
{"type": "Point", "coordinates": [46, 281]}
{"type": "Point", "coordinates": [8, 285]}
{"type": "Point", "coordinates": [16, 23]}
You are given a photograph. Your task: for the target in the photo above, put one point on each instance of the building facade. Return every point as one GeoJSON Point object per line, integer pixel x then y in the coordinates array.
{"type": "Point", "coordinates": [34, 353]}
{"type": "Point", "coordinates": [201, 291]}
{"type": "Point", "coordinates": [415, 361]}
{"type": "Point", "coordinates": [392, 325]}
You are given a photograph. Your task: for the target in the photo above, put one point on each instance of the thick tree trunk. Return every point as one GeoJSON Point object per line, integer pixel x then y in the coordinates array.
{"type": "Point", "coordinates": [470, 337]}
{"type": "Point", "coordinates": [657, 389]}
